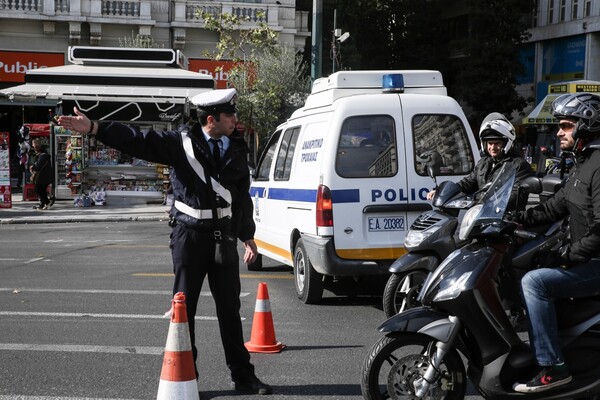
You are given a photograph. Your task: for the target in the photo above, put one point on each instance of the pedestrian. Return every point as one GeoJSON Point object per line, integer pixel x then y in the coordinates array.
{"type": "Point", "coordinates": [577, 269]}
{"type": "Point", "coordinates": [496, 136]}
{"type": "Point", "coordinates": [212, 209]}
{"type": "Point", "coordinates": [41, 174]}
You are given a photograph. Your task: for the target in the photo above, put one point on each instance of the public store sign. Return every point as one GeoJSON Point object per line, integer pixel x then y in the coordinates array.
{"type": "Point", "coordinates": [14, 64]}
{"type": "Point", "coordinates": [219, 70]}
{"type": "Point", "coordinates": [5, 191]}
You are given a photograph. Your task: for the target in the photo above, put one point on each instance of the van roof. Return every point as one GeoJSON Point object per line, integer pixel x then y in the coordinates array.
{"type": "Point", "coordinates": [349, 83]}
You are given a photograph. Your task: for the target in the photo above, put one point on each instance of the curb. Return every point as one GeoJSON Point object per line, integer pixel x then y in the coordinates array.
{"type": "Point", "coordinates": [50, 220]}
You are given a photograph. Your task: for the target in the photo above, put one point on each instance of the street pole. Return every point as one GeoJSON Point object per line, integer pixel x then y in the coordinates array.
{"type": "Point", "coordinates": [333, 49]}
{"type": "Point", "coordinates": [316, 50]}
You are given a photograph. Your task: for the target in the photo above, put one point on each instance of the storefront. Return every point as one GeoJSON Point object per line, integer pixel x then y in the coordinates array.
{"type": "Point", "coordinates": [541, 126]}
{"type": "Point", "coordinates": [147, 88]}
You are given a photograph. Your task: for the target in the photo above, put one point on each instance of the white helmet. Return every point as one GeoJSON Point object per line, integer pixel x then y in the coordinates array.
{"type": "Point", "coordinates": [496, 126]}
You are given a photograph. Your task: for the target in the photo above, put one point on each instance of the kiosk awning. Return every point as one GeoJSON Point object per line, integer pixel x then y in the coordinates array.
{"type": "Point", "coordinates": [541, 114]}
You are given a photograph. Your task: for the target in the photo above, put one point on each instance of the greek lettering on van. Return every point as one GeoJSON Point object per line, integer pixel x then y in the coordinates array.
{"type": "Point", "coordinates": [390, 195]}
{"type": "Point", "coordinates": [310, 145]}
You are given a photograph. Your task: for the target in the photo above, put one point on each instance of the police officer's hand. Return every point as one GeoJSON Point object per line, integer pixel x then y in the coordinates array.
{"type": "Point", "coordinates": [78, 123]}
{"type": "Point", "coordinates": [251, 251]}
{"type": "Point", "coordinates": [430, 195]}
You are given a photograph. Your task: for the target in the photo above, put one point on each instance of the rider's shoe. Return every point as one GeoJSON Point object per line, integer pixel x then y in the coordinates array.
{"type": "Point", "coordinates": [548, 378]}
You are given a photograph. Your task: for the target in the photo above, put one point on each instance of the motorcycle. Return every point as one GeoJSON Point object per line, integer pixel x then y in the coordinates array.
{"type": "Point", "coordinates": [462, 330]}
{"type": "Point", "coordinates": [431, 238]}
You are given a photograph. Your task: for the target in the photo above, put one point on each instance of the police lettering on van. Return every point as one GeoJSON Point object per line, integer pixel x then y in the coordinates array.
{"type": "Point", "coordinates": [339, 183]}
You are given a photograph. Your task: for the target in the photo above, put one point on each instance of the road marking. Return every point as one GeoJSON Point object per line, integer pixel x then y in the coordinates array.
{"type": "Point", "coordinates": [98, 291]}
{"type": "Point", "coordinates": [243, 276]}
{"type": "Point", "coordinates": [143, 350]}
{"type": "Point", "coordinates": [93, 315]}
{"type": "Point", "coordinates": [20, 397]}
{"type": "Point", "coordinates": [32, 260]}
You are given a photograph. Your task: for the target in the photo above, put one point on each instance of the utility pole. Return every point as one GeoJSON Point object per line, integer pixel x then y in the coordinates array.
{"type": "Point", "coordinates": [317, 33]}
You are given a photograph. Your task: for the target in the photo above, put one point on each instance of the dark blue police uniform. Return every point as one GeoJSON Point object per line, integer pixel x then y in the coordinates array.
{"type": "Point", "coordinates": [193, 240]}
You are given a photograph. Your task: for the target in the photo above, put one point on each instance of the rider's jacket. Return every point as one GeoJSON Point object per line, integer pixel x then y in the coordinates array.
{"type": "Point", "coordinates": [188, 188]}
{"type": "Point", "coordinates": [580, 199]}
{"type": "Point", "coordinates": [486, 170]}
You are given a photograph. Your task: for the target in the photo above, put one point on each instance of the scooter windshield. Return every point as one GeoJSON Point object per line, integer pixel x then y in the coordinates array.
{"type": "Point", "coordinates": [492, 205]}
{"type": "Point", "coordinates": [496, 198]}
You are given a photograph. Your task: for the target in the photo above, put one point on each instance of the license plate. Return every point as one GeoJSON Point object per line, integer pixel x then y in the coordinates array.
{"type": "Point", "coordinates": [386, 224]}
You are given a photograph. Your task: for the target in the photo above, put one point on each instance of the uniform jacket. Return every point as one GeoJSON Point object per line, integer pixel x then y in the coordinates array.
{"type": "Point", "coordinates": [580, 199]}
{"type": "Point", "coordinates": [167, 148]}
{"type": "Point", "coordinates": [485, 171]}
{"type": "Point", "coordinates": [43, 165]}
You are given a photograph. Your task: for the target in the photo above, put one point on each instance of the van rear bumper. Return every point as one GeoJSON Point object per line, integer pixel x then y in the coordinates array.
{"type": "Point", "coordinates": [324, 259]}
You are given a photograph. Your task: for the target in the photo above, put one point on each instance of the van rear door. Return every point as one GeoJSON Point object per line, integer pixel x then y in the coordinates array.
{"type": "Point", "coordinates": [369, 187]}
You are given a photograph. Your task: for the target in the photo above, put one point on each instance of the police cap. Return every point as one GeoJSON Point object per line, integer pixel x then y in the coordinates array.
{"type": "Point", "coordinates": [219, 101]}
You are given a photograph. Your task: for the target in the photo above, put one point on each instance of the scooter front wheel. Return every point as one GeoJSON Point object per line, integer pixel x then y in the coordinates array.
{"type": "Point", "coordinates": [399, 360]}
{"type": "Point", "coordinates": [401, 291]}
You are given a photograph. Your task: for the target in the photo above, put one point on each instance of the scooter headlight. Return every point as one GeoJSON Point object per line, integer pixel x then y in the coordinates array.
{"type": "Point", "coordinates": [452, 287]}
{"type": "Point", "coordinates": [468, 221]}
{"type": "Point", "coordinates": [415, 238]}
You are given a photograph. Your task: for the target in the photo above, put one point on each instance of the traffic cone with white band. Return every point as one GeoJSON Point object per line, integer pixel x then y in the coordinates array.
{"type": "Point", "coordinates": [178, 375]}
{"type": "Point", "coordinates": [262, 339]}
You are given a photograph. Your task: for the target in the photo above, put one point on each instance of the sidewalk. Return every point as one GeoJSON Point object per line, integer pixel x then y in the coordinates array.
{"type": "Point", "coordinates": [22, 212]}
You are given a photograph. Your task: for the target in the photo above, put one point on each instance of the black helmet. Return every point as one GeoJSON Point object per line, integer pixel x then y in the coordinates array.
{"type": "Point", "coordinates": [583, 107]}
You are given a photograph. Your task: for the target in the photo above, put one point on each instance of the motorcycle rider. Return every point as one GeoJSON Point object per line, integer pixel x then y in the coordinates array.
{"type": "Point", "coordinates": [577, 274]}
{"type": "Point", "coordinates": [496, 136]}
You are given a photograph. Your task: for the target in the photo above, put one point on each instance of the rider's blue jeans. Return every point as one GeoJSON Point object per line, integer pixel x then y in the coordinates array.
{"type": "Point", "coordinates": [540, 288]}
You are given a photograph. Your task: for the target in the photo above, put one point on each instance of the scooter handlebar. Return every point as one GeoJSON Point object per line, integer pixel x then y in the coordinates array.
{"type": "Point", "coordinates": [526, 234]}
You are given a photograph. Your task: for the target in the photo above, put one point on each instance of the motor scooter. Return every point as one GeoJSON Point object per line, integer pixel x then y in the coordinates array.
{"type": "Point", "coordinates": [461, 330]}
{"type": "Point", "coordinates": [432, 237]}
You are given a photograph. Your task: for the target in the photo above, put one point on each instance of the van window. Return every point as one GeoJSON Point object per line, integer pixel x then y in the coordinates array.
{"type": "Point", "coordinates": [266, 159]}
{"type": "Point", "coordinates": [283, 164]}
{"type": "Point", "coordinates": [367, 147]}
{"type": "Point", "coordinates": [441, 141]}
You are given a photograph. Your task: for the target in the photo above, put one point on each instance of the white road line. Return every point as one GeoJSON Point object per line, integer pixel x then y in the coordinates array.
{"type": "Point", "coordinates": [93, 315]}
{"type": "Point", "coordinates": [32, 260]}
{"type": "Point", "coordinates": [143, 350]}
{"type": "Point", "coordinates": [100, 291]}
{"type": "Point", "coordinates": [20, 397]}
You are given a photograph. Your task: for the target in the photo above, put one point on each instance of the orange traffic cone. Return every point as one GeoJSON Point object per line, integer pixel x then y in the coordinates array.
{"type": "Point", "coordinates": [178, 375]}
{"type": "Point", "coordinates": [263, 339]}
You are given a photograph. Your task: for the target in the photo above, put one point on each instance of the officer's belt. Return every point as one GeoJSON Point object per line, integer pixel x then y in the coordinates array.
{"type": "Point", "coordinates": [202, 214]}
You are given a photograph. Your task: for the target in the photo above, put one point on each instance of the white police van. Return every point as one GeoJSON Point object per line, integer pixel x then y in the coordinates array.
{"type": "Point", "coordinates": [340, 182]}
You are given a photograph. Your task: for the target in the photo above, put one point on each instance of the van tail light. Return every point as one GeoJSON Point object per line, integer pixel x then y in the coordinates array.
{"type": "Point", "coordinates": [324, 206]}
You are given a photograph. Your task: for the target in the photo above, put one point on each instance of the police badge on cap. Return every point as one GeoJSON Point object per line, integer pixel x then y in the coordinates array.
{"type": "Point", "coordinates": [216, 101]}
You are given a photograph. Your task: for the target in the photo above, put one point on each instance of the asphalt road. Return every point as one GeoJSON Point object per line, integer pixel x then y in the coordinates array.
{"type": "Point", "coordinates": [81, 317]}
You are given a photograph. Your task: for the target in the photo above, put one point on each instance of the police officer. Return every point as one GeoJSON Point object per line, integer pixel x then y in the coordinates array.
{"type": "Point", "coordinates": [212, 209]}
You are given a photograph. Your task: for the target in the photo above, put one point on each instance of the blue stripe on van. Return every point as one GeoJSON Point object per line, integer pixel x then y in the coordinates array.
{"type": "Point", "coordinates": [307, 195]}
{"type": "Point", "coordinates": [345, 196]}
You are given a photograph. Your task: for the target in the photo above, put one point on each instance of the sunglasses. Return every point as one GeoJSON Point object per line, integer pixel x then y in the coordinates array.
{"type": "Point", "coordinates": [566, 125]}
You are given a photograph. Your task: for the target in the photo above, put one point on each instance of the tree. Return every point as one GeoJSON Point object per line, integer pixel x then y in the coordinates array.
{"type": "Point", "coordinates": [271, 79]}
{"type": "Point", "coordinates": [139, 41]}
{"type": "Point", "coordinates": [486, 79]}
{"type": "Point", "coordinates": [477, 51]}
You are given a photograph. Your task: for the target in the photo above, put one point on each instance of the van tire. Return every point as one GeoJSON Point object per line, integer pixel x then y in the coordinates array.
{"type": "Point", "coordinates": [308, 282]}
{"type": "Point", "coordinates": [256, 265]}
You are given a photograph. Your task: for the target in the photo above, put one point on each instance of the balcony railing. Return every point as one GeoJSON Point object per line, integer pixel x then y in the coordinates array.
{"type": "Point", "coordinates": [252, 14]}
{"type": "Point", "coordinates": [117, 8]}
{"type": "Point", "coordinates": [22, 5]}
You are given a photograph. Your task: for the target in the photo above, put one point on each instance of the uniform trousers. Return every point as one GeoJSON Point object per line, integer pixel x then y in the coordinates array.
{"type": "Point", "coordinates": [193, 253]}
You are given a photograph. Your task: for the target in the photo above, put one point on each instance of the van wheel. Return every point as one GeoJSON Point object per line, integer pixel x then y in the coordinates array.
{"type": "Point", "coordinates": [256, 265]}
{"type": "Point", "coordinates": [308, 282]}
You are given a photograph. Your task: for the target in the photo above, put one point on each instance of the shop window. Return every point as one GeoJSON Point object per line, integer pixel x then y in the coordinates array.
{"type": "Point", "coordinates": [367, 147]}
{"type": "Point", "coordinates": [441, 141]}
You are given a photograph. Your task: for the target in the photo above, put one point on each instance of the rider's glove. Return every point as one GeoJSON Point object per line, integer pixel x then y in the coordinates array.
{"type": "Point", "coordinates": [514, 216]}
